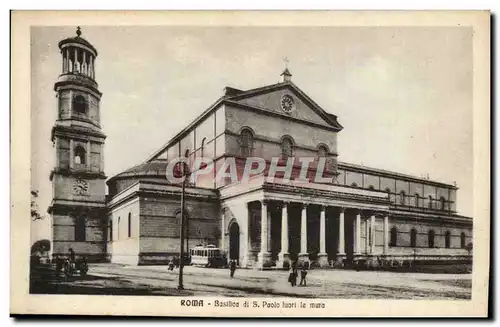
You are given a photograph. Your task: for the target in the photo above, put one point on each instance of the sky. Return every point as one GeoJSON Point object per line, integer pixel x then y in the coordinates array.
{"type": "Point", "coordinates": [402, 94]}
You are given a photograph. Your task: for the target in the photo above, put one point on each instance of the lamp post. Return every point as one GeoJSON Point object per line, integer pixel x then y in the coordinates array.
{"type": "Point", "coordinates": [185, 173]}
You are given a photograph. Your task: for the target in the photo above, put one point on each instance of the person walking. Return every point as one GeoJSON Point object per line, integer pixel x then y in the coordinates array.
{"type": "Point", "coordinates": [292, 277]}
{"type": "Point", "coordinates": [232, 267]}
{"type": "Point", "coordinates": [72, 258]}
{"type": "Point", "coordinates": [171, 265]}
{"type": "Point", "coordinates": [303, 273]}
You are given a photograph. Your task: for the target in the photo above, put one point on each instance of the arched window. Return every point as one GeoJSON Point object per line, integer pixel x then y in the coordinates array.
{"type": "Point", "coordinates": [80, 105]}
{"type": "Point", "coordinates": [431, 238]}
{"type": "Point", "coordinates": [417, 199]}
{"type": "Point", "coordinates": [287, 147]}
{"type": "Point", "coordinates": [111, 230]}
{"type": "Point", "coordinates": [394, 237]}
{"type": "Point", "coordinates": [202, 149]}
{"type": "Point", "coordinates": [442, 202]}
{"type": "Point", "coordinates": [402, 197]}
{"type": "Point", "coordinates": [129, 225]}
{"type": "Point", "coordinates": [447, 239]}
{"type": "Point", "coordinates": [79, 155]}
{"type": "Point", "coordinates": [322, 151]}
{"type": "Point", "coordinates": [462, 241]}
{"type": "Point", "coordinates": [118, 229]}
{"type": "Point", "coordinates": [246, 142]}
{"type": "Point", "coordinates": [430, 202]}
{"type": "Point", "coordinates": [413, 238]}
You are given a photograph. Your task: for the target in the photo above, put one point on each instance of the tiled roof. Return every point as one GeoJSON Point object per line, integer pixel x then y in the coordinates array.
{"type": "Point", "coordinates": [156, 167]}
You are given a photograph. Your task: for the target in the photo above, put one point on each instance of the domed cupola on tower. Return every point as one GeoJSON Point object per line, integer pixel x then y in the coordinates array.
{"type": "Point", "coordinates": [76, 86]}
{"type": "Point", "coordinates": [78, 56]}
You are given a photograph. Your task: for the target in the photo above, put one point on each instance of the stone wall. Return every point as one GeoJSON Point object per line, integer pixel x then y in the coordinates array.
{"type": "Point", "coordinates": [124, 245]}
{"type": "Point", "coordinates": [160, 226]}
{"type": "Point", "coordinates": [63, 231]}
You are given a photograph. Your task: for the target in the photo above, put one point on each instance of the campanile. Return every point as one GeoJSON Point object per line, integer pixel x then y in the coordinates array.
{"type": "Point", "coordinates": [78, 207]}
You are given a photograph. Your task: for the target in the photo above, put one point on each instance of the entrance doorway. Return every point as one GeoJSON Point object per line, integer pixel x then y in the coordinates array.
{"type": "Point", "coordinates": [234, 242]}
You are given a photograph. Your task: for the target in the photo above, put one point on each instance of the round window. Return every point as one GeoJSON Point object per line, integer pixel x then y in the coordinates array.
{"type": "Point", "coordinates": [287, 103]}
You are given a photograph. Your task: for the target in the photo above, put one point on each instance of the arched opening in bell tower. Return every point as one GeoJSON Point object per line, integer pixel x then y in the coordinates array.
{"type": "Point", "coordinates": [80, 105]}
{"type": "Point", "coordinates": [79, 155]}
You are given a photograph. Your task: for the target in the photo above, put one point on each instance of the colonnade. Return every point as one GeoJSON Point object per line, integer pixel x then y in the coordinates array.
{"type": "Point", "coordinates": [368, 216]}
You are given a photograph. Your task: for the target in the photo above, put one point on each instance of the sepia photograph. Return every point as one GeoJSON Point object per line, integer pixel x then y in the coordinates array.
{"type": "Point", "coordinates": [271, 168]}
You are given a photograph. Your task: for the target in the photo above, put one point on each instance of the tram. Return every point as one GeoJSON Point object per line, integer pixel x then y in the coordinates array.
{"type": "Point", "coordinates": [208, 256]}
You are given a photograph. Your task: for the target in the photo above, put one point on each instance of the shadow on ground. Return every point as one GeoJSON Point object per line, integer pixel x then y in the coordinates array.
{"type": "Point", "coordinates": [45, 280]}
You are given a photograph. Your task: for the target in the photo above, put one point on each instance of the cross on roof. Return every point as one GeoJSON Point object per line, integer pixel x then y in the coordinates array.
{"type": "Point", "coordinates": [286, 61]}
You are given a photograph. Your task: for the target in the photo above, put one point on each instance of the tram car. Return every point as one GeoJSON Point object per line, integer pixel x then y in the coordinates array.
{"type": "Point", "coordinates": [208, 256]}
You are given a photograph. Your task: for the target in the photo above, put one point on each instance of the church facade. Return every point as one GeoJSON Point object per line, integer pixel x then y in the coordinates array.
{"type": "Point", "coordinates": [362, 213]}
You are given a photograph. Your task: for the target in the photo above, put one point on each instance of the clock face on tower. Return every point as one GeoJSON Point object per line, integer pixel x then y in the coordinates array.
{"type": "Point", "coordinates": [81, 187]}
{"type": "Point", "coordinates": [287, 103]}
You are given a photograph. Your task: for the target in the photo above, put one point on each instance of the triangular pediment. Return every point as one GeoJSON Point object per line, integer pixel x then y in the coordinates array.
{"type": "Point", "coordinates": [271, 98]}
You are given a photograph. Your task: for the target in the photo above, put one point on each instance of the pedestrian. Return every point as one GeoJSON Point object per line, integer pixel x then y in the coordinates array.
{"type": "Point", "coordinates": [72, 258]}
{"type": "Point", "coordinates": [292, 277]}
{"type": "Point", "coordinates": [232, 267]}
{"type": "Point", "coordinates": [171, 265]}
{"type": "Point", "coordinates": [303, 273]}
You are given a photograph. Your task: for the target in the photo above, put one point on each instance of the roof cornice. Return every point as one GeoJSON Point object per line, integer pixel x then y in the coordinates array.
{"type": "Point", "coordinates": [391, 174]}
{"type": "Point", "coordinates": [302, 95]}
{"type": "Point", "coordinates": [275, 114]}
{"type": "Point", "coordinates": [328, 117]}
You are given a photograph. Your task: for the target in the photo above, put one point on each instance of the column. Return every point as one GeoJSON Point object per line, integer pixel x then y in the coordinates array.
{"type": "Point", "coordinates": [80, 63]}
{"type": "Point", "coordinates": [269, 218]}
{"type": "Point", "coordinates": [372, 239]}
{"type": "Point", "coordinates": [264, 255]}
{"type": "Point", "coordinates": [358, 233]}
{"type": "Point", "coordinates": [93, 67]}
{"type": "Point", "coordinates": [68, 63]}
{"type": "Point", "coordinates": [88, 156]}
{"type": "Point", "coordinates": [284, 255]}
{"type": "Point", "coordinates": [341, 248]}
{"type": "Point", "coordinates": [84, 63]}
{"type": "Point", "coordinates": [367, 235]}
{"type": "Point", "coordinates": [246, 244]}
{"type": "Point", "coordinates": [71, 154]}
{"type": "Point", "coordinates": [263, 228]}
{"type": "Point", "coordinates": [75, 61]}
{"type": "Point", "coordinates": [322, 255]}
{"type": "Point", "coordinates": [303, 255]}
{"type": "Point", "coordinates": [102, 159]}
{"type": "Point", "coordinates": [56, 145]}
{"type": "Point", "coordinates": [223, 231]}
{"type": "Point", "coordinates": [70, 103]}
{"type": "Point", "coordinates": [386, 235]}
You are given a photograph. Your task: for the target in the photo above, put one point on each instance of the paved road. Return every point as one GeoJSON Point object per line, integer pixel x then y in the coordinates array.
{"type": "Point", "coordinates": [157, 280]}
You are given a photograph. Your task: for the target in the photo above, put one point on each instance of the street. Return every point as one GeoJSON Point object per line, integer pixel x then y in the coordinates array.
{"type": "Point", "coordinates": [116, 279]}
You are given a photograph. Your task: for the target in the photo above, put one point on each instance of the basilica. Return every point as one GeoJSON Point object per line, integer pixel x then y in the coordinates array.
{"type": "Point", "coordinates": [369, 214]}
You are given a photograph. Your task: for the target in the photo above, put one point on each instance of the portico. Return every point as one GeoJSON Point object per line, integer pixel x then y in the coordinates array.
{"type": "Point", "coordinates": [320, 223]}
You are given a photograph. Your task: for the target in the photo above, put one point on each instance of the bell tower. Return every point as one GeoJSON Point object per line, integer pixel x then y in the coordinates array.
{"type": "Point", "coordinates": [78, 180]}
